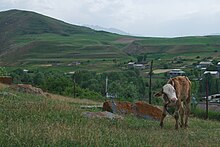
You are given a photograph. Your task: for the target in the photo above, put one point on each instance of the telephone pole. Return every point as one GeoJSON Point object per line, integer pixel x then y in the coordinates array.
{"type": "Point", "coordinates": [207, 101]}
{"type": "Point", "coordinates": [150, 81]}
{"type": "Point", "coordinates": [106, 87]}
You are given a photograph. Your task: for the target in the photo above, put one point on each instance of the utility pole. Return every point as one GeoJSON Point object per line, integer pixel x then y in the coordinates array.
{"type": "Point", "coordinates": [150, 81]}
{"type": "Point", "coordinates": [74, 86]}
{"type": "Point", "coordinates": [106, 87]}
{"type": "Point", "coordinates": [207, 102]}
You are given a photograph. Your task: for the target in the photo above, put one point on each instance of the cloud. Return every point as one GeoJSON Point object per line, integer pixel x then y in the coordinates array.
{"type": "Point", "coordinates": [145, 17]}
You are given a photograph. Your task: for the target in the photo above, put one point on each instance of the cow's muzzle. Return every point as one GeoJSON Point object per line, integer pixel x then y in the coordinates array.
{"type": "Point", "coordinates": [173, 100]}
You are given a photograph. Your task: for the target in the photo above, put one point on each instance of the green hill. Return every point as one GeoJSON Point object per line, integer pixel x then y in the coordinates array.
{"type": "Point", "coordinates": [15, 23]}
{"type": "Point", "coordinates": [29, 38]}
{"type": "Point", "coordinates": [181, 46]}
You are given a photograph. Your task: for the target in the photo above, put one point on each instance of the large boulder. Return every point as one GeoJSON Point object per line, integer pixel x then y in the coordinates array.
{"type": "Point", "coordinates": [146, 110]}
{"type": "Point", "coordinates": [139, 109]}
{"type": "Point", "coordinates": [26, 88]}
{"type": "Point", "coordinates": [118, 107]}
{"type": "Point", "coordinates": [6, 80]}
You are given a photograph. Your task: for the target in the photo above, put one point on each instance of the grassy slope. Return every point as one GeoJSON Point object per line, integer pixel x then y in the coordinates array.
{"type": "Point", "coordinates": [31, 38]}
{"type": "Point", "coordinates": [28, 37]}
{"type": "Point", "coordinates": [28, 120]}
{"type": "Point", "coordinates": [171, 47]}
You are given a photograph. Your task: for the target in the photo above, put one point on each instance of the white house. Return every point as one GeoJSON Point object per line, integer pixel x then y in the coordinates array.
{"type": "Point", "coordinates": [204, 64]}
{"type": "Point", "coordinates": [218, 66]}
{"type": "Point", "coordinates": [176, 72]}
{"type": "Point", "coordinates": [213, 73]}
{"type": "Point", "coordinates": [131, 64]}
{"type": "Point", "coordinates": [137, 66]}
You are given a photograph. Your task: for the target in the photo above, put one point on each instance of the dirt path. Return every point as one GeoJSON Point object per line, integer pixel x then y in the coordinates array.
{"type": "Point", "coordinates": [158, 71]}
{"type": "Point", "coordinates": [2, 86]}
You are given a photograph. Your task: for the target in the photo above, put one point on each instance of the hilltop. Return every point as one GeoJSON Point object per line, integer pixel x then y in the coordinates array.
{"type": "Point", "coordinates": [15, 23]}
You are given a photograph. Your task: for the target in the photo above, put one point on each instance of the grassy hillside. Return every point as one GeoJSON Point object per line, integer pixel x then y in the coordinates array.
{"type": "Point", "coordinates": [203, 46]}
{"type": "Point", "coordinates": [28, 38]}
{"type": "Point", "coordinates": [29, 120]}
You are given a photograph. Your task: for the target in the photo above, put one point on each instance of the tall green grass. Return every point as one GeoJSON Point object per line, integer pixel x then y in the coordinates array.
{"type": "Point", "coordinates": [213, 115]}
{"type": "Point", "coordinates": [28, 120]}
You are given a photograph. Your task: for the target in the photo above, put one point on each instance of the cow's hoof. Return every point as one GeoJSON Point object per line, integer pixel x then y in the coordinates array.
{"type": "Point", "coordinates": [176, 127]}
{"type": "Point", "coordinates": [161, 125]}
{"type": "Point", "coordinates": [186, 126]}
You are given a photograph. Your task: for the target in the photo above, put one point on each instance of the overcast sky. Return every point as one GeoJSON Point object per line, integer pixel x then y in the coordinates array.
{"type": "Point", "coordinates": [139, 17]}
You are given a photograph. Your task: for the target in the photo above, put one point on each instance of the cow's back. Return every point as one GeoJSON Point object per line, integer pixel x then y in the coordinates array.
{"type": "Point", "coordinates": [182, 86]}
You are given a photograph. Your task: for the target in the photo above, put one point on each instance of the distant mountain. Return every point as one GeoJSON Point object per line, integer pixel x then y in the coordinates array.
{"type": "Point", "coordinates": [215, 34]}
{"type": "Point", "coordinates": [111, 30]}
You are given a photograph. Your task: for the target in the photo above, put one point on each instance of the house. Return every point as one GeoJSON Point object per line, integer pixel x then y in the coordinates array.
{"type": "Point", "coordinates": [215, 98]}
{"type": "Point", "coordinates": [74, 64]}
{"type": "Point", "coordinates": [176, 72]}
{"type": "Point", "coordinates": [135, 65]}
{"type": "Point", "coordinates": [25, 70]}
{"type": "Point", "coordinates": [131, 64]}
{"type": "Point", "coordinates": [204, 65]}
{"type": "Point", "coordinates": [139, 66]}
{"type": "Point", "coordinates": [218, 66]}
{"type": "Point", "coordinates": [213, 73]}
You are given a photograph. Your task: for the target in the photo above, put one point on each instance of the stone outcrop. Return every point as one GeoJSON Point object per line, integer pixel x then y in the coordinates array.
{"type": "Point", "coordinates": [139, 109]}
{"type": "Point", "coordinates": [26, 88]}
{"type": "Point", "coordinates": [6, 80]}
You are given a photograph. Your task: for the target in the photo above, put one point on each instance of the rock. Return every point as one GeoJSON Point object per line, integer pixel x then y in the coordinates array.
{"type": "Point", "coordinates": [145, 110]}
{"type": "Point", "coordinates": [6, 80]}
{"type": "Point", "coordinates": [139, 109]}
{"type": "Point", "coordinates": [104, 114]}
{"type": "Point", "coordinates": [118, 107]}
{"type": "Point", "coordinates": [26, 88]}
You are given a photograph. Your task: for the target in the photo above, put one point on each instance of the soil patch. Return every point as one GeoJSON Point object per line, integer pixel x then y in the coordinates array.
{"type": "Point", "coordinates": [126, 40]}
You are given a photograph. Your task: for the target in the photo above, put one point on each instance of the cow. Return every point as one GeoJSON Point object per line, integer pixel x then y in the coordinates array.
{"type": "Point", "coordinates": [177, 93]}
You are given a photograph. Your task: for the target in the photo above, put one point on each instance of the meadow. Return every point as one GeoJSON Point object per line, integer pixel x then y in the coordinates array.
{"type": "Point", "coordinates": [31, 120]}
{"type": "Point", "coordinates": [39, 41]}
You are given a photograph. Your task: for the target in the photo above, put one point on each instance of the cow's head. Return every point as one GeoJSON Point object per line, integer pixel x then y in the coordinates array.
{"type": "Point", "coordinates": [169, 94]}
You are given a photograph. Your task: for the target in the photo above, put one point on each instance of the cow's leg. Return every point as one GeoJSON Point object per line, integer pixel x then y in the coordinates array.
{"type": "Point", "coordinates": [176, 116]}
{"type": "Point", "coordinates": [187, 113]}
{"type": "Point", "coordinates": [187, 109]}
{"type": "Point", "coordinates": [163, 116]}
{"type": "Point", "coordinates": [181, 116]}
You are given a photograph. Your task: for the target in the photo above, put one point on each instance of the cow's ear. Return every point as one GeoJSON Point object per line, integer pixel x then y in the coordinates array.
{"type": "Point", "coordinates": [172, 82]}
{"type": "Point", "coordinates": [158, 94]}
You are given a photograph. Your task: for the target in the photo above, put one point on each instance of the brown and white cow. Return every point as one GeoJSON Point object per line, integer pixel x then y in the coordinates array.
{"type": "Point", "coordinates": [177, 93]}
